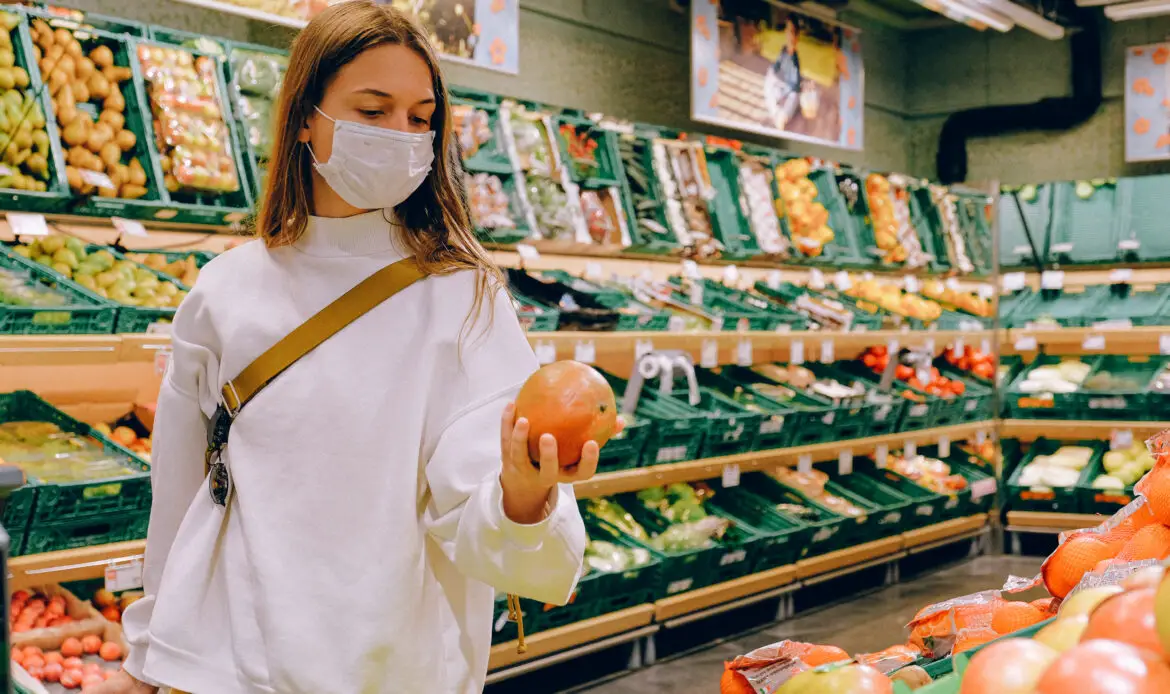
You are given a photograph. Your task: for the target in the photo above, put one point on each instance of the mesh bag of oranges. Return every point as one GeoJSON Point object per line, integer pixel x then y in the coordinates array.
{"type": "Point", "coordinates": [890, 659]}
{"type": "Point", "coordinates": [937, 628]}
{"type": "Point", "coordinates": [766, 669]}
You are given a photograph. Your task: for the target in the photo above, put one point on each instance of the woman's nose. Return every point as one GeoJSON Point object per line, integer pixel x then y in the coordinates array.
{"type": "Point", "coordinates": [399, 120]}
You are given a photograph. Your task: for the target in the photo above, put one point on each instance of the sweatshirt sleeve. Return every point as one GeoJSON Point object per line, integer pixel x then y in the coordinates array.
{"type": "Point", "coordinates": [179, 441]}
{"type": "Point", "coordinates": [465, 513]}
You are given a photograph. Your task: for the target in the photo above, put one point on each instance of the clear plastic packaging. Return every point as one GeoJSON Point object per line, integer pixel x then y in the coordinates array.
{"type": "Point", "coordinates": [472, 127]}
{"type": "Point", "coordinates": [489, 202]}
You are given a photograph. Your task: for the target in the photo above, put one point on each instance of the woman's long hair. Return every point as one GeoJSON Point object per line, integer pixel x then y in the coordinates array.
{"type": "Point", "coordinates": [438, 226]}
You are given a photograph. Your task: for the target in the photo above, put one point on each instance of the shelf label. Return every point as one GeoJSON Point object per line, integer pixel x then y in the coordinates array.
{"type": "Point", "coordinates": [1013, 281]}
{"type": "Point", "coordinates": [1129, 245]}
{"type": "Point", "coordinates": [842, 281]}
{"type": "Point", "coordinates": [1026, 343]}
{"type": "Point", "coordinates": [696, 293]}
{"type": "Point", "coordinates": [804, 463]}
{"type": "Point", "coordinates": [958, 348]}
{"type": "Point", "coordinates": [124, 575]}
{"type": "Point", "coordinates": [774, 279]}
{"type": "Point", "coordinates": [910, 284]}
{"type": "Point", "coordinates": [1093, 343]}
{"type": "Point", "coordinates": [845, 462]}
{"type": "Point", "coordinates": [881, 456]}
{"type": "Point", "coordinates": [27, 224]}
{"type": "Point", "coordinates": [709, 354]}
{"type": "Point", "coordinates": [1062, 247]}
{"type": "Point", "coordinates": [944, 446]}
{"type": "Point", "coordinates": [827, 350]}
{"type": "Point", "coordinates": [731, 275]}
{"type": "Point", "coordinates": [796, 352]}
{"type": "Point", "coordinates": [546, 352]}
{"type": "Point", "coordinates": [1120, 438]}
{"type": "Point", "coordinates": [980, 437]}
{"type": "Point", "coordinates": [527, 252]}
{"type": "Point", "coordinates": [642, 348]}
{"type": "Point", "coordinates": [1120, 275]}
{"type": "Point", "coordinates": [1052, 279]}
{"type": "Point", "coordinates": [743, 352]}
{"type": "Point", "coordinates": [162, 360]}
{"type": "Point", "coordinates": [731, 475]}
{"type": "Point", "coordinates": [585, 352]}
{"type": "Point", "coordinates": [690, 269]}
{"type": "Point", "coordinates": [816, 279]}
{"type": "Point", "coordinates": [910, 449]}
{"type": "Point", "coordinates": [982, 488]}
{"type": "Point", "coordinates": [892, 347]}
{"type": "Point", "coordinates": [594, 272]}
{"type": "Point", "coordinates": [96, 179]}
{"type": "Point", "coordinates": [1164, 344]}
{"type": "Point", "coordinates": [985, 290]}
{"type": "Point", "coordinates": [985, 345]}
{"type": "Point", "coordinates": [129, 227]}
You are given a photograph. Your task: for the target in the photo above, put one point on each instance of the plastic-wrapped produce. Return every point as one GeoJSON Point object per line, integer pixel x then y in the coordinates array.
{"type": "Point", "coordinates": [611, 558]}
{"type": "Point", "coordinates": [257, 73]}
{"type": "Point", "coordinates": [489, 202]}
{"type": "Point", "coordinates": [756, 183]}
{"type": "Point", "coordinates": [472, 127]}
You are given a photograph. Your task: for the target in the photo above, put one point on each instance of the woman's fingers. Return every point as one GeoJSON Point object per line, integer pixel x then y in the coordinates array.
{"type": "Point", "coordinates": [550, 464]}
{"type": "Point", "coordinates": [585, 469]}
{"type": "Point", "coordinates": [507, 423]}
{"type": "Point", "coordinates": [518, 445]}
{"type": "Point", "coordinates": [621, 425]}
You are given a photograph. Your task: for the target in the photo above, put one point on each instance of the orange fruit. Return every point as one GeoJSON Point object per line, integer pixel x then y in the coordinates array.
{"type": "Point", "coordinates": [823, 655]}
{"type": "Point", "coordinates": [1151, 542]}
{"type": "Point", "coordinates": [1124, 530]}
{"type": "Point", "coordinates": [571, 401]}
{"type": "Point", "coordinates": [1013, 616]}
{"type": "Point", "coordinates": [734, 683]}
{"type": "Point", "coordinates": [1102, 666]}
{"type": "Point", "coordinates": [1156, 488]}
{"type": "Point", "coordinates": [1011, 666]}
{"type": "Point", "coordinates": [973, 638]}
{"type": "Point", "coordinates": [1129, 618]}
{"type": "Point", "coordinates": [1064, 567]}
{"type": "Point", "coordinates": [1046, 605]}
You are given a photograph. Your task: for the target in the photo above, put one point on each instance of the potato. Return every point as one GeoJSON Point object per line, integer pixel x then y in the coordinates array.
{"type": "Point", "coordinates": [125, 140]}
{"type": "Point", "coordinates": [116, 120]}
{"type": "Point", "coordinates": [133, 191]}
{"type": "Point", "coordinates": [99, 87]}
{"type": "Point", "coordinates": [110, 153]}
{"type": "Point", "coordinates": [102, 56]}
{"type": "Point", "coordinates": [85, 68]}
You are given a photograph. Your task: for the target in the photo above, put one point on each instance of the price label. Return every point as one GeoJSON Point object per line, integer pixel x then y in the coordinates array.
{"type": "Point", "coordinates": [842, 281]}
{"type": "Point", "coordinates": [129, 227]}
{"type": "Point", "coordinates": [162, 361]}
{"type": "Point", "coordinates": [1052, 279]}
{"type": "Point", "coordinates": [646, 275]}
{"type": "Point", "coordinates": [774, 279]}
{"type": "Point", "coordinates": [796, 352]}
{"type": "Point", "coordinates": [124, 575]}
{"type": "Point", "coordinates": [1013, 281]}
{"type": "Point", "coordinates": [731, 475]}
{"type": "Point", "coordinates": [845, 462]}
{"type": "Point", "coordinates": [527, 252]}
{"type": "Point", "coordinates": [982, 488]}
{"type": "Point", "coordinates": [944, 446]}
{"type": "Point", "coordinates": [893, 346]}
{"type": "Point", "coordinates": [690, 269]}
{"type": "Point", "coordinates": [1120, 275]}
{"type": "Point", "coordinates": [1164, 344]}
{"type": "Point", "coordinates": [951, 283]}
{"type": "Point", "coordinates": [985, 345]}
{"type": "Point", "coordinates": [816, 279]}
{"type": "Point", "coordinates": [1026, 343]}
{"type": "Point", "coordinates": [1129, 245]}
{"type": "Point", "coordinates": [27, 224]}
{"type": "Point", "coordinates": [958, 348]}
{"type": "Point", "coordinates": [546, 352]}
{"type": "Point", "coordinates": [709, 354]}
{"type": "Point", "coordinates": [1062, 247]}
{"type": "Point", "coordinates": [929, 346]}
{"type": "Point", "coordinates": [980, 437]}
{"type": "Point", "coordinates": [804, 463]}
{"type": "Point", "coordinates": [1120, 438]}
{"type": "Point", "coordinates": [731, 275]}
{"type": "Point", "coordinates": [594, 272]}
{"type": "Point", "coordinates": [743, 352]}
{"type": "Point", "coordinates": [1093, 343]}
{"type": "Point", "coordinates": [827, 350]}
{"type": "Point", "coordinates": [881, 456]}
{"type": "Point", "coordinates": [910, 449]}
{"type": "Point", "coordinates": [585, 352]}
{"type": "Point", "coordinates": [910, 284]}
{"type": "Point", "coordinates": [642, 348]}
{"type": "Point", "coordinates": [985, 291]}
{"type": "Point", "coordinates": [96, 179]}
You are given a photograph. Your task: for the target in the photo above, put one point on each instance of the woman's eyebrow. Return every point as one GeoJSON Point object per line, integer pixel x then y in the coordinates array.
{"type": "Point", "coordinates": [381, 94]}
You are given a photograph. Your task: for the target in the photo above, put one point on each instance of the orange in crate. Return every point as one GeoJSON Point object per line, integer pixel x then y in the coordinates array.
{"type": "Point", "coordinates": [973, 638]}
{"type": "Point", "coordinates": [1155, 486]}
{"type": "Point", "coordinates": [1151, 542]}
{"type": "Point", "coordinates": [1045, 605]}
{"type": "Point", "coordinates": [1013, 616]}
{"type": "Point", "coordinates": [1119, 535]}
{"type": "Point", "coordinates": [823, 655]}
{"type": "Point", "coordinates": [1072, 560]}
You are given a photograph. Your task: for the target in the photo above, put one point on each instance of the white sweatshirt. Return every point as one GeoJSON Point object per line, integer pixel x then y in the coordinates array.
{"type": "Point", "coordinates": [366, 533]}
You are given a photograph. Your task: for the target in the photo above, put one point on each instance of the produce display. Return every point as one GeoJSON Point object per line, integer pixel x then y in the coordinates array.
{"type": "Point", "coordinates": [1066, 376]}
{"type": "Point", "coordinates": [889, 226]}
{"type": "Point", "coordinates": [191, 132]}
{"type": "Point", "coordinates": [472, 127]}
{"type": "Point", "coordinates": [808, 219]}
{"type": "Point", "coordinates": [22, 288]}
{"type": "Point", "coordinates": [185, 269]}
{"type": "Point", "coordinates": [48, 454]}
{"type": "Point", "coordinates": [930, 473]}
{"type": "Point", "coordinates": [582, 150]}
{"type": "Point", "coordinates": [1060, 469]}
{"type": "Point", "coordinates": [892, 298]}
{"type": "Point", "coordinates": [981, 364]}
{"type": "Point", "coordinates": [804, 379]}
{"type": "Point", "coordinates": [140, 445]}
{"type": "Point", "coordinates": [256, 80]}
{"type": "Point", "coordinates": [700, 531]}
{"type": "Point", "coordinates": [756, 183]}
{"type": "Point", "coordinates": [27, 157]}
{"type": "Point", "coordinates": [971, 302]}
{"type": "Point", "coordinates": [926, 378]}
{"type": "Point", "coordinates": [99, 271]}
{"type": "Point", "coordinates": [62, 642]}
{"type": "Point", "coordinates": [608, 557]}
{"type": "Point", "coordinates": [87, 86]}
{"type": "Point", "coordinates": [490, 204]}
{"type": "Point", "coordinates": [812, 485]}
{"type": "Point", "coordinates": [681, 169]}
{"type": "Point", "coordinates": [1124, 467]}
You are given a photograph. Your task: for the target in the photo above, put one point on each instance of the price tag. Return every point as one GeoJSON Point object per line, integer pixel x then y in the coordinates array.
{"type": "Point", "coordinates": [796, 352]}
{"type": "Point", "coordinates": [842, 281]}
{"type": "Point", "coordinates": [690, 269]}
{"type": "Point", "coordinates": [1120, 438]}
{"type": "Point", "coordinates": [594, 272]}
{"type": "Point", "coordinates": [124, 575]}
{"type": "Point", "coordinates": [985, 345]}
{"type": "Point", "coordinates": [881, 456]}
{"type": "Point", "coordinates": [816, 279]}
{"type": "Point", "coordinates": [827, 350]}
{"type": "Point", "coordinates": [804, 463]}
{"type": "Point", "coordinates": [1025, 343]}
{"type": "Point", "coordinates": [696, 293]}
{"type": "Point", "coordinates": [1164, 344]}
{"type": "Point", "coordinates": [928, 346]}
{"type": "Point", "coordinates": [731, 275]}
{"type": "Point", "coordinates": [910, 449]}
{"type": "Point", "coordinates": [709, 354]}
{"type": "Point", "coordinates": [1120, 275]}
{"type": "Point", "coordinates": [982, 488]}
{"type": "Point", "coordinates": [585, 352]}
{"type": "Point", "coordinates": [867, 275]}
{"type": "Point", "coordinates": [980, 437]}
{"type": "Point", "coordinates": [1093, 343]}
{"type": "Point", "coordinates": [527, 252]}
{"type": "Point", "coordinates": [1062, 247]}
{"type": "Point", "coordinates": [1052, 279]}
{"type": "Point", "coordinates": [944, 446]}
{"type": "Point", "coordinates": [129, 227]}
{"type": "Point", "coordinates": [952, 283]}
{"type": "Point", "coordinates": [731, 475]}
{"type": "Point", "coordinates": [958, 348]}
{"type": "Point", "coordinates": [910, 284]}
{"type": "Point", "coordinates": [1013, 281]}
{"type": "Point", "coordinates": [4, 170]}
{"type": "Point", "coordinates": [743, 352]}
{"type": "Point", "coordinates": [162, 360]}
{"type": "Point", "coordinates": [1129, 245]}
{"type": "Point", "coordinates": [845, 462]}
{"type": "Point", "coordinates": [159, 328]}
{"type": "Point", "coordinates": [985, 291]}
{"type": "Point", "coordinates": [893, 346]}
{"type": "Point", "coordinates": [642, 348]}
{"type": "Point", "coordinates": [774, 279]}
{"type": "Point", "coordinates": [96, 179]}
{"type": "Point", "coordinates": [646, 275]}
{"type": "Point", "coordinates": [546, 352]}
{"type": "Point", "coordinates": [27, 224]}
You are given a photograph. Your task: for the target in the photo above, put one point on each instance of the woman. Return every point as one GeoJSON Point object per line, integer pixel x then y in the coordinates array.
{"type": "Point", "coordinates": [374, 507]}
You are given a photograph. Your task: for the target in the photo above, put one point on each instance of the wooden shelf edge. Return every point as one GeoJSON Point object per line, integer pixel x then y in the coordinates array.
{"type": "Point", "coordinates": [941, 531]}
{"type": "Point", "coordinates": [848, 556]}
{"type": "Point", "coordinates": [1057, 521]}
{"type": "Point", "coordinates": [1030, 429]}
{"type": "Point", "coordinates": [70, 564]}
{"type": "Point", "coordinates": [562, 638]}
{"type": "Point", "coordinates": [702, 598]}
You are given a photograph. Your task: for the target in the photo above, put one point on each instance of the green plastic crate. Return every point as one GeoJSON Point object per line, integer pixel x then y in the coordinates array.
{"type": "Point", "coordinates": [876, 414]}
{"type": "Point", "coordinates": [975, 226]}
{"type": "Point", "coordinates": [1008, 304]}
{"type": "Point", "coordinates": [83, 313]}
{"type": "Point", "coordinates": [643, 196]}
{"type": "Point", "coordinates": [1070, 308]}
{"type": "Point", "coordinates": [783, 538]}
{"type": "Point", "coordinates": [1119, 401]}
{"type": "Point", "coordinates": [1100, 501]}
{"type": "Point", "coordinates": [607, 170]}
{"type": "Point", "coordinates": [1014, 249]}
{"type": "Point", "coordinates": [788, 295]}
{"type": "Point", "coordinates": [976, 404]}
{"type": "Point", "coordinates": [209, 45]}
{"type": "Point", "coordinates": [534, 316]}
{"type": "Point", "coordinates": [1058, 500]}
{"type": "Point", "coordinates": [1021, 405]}
{"type": "Point", "coordinates": [860, 238]}
{"type": "Point", "coordinates": [927, 220]}
{"type": "Point", "coordinates": [138, 319]}
{"type": "Point", "coordinates": [779, 421]}
{"type": "Point", "coordinates": [728, 216]}
{"type": "Point", "coordinates": [634, 315]}
{"type": "Point", "coordinates": [71, 18]}
{"type": "Point", "coordinates": [1126, 304]}
{"type": "Point", "coordinates": [956, 504]}
{"type": "Point", "coordinates": [926, 506]}
{"type": "Point", "coordinates": [624, 451]}
{"type": "Point", "coordinates": [1142, 210]}
{"type": "Point", "coordinates": [678, 429]}
{"type": "Point", "coordinates": [1083, 230]}
{"type": "Point", "coordinates": [807, 419]}
{"type": "Point", "coordinates": [896, 511]}
{"type": "Point", "coordinates": [918, 413]}
{"type": "Point", "coordinates": [782, 318]}
{"type": "Point", "coordinates": [85, 532]}
{"type": "Point", "coordinates": [828, 531]}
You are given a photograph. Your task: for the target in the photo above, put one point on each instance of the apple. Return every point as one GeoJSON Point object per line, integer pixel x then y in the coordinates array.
{"type": "Point", "coordinates": [1085, 601]}
{"type": "Point", "coordinates": [1064, 633]}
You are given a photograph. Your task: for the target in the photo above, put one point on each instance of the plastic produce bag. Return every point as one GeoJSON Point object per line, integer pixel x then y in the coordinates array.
{"type": "Point", "coordinates": [258, 74]}
{"type": "Point", "coordinates": [937, 628]}
{"type": "Point", "coordinates": [766, 669]}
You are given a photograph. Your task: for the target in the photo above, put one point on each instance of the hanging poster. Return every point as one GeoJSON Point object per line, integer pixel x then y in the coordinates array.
{"type": "Point", "coordinates": [769, 70]}
{"type": "Point", "coordinates": [1147, 102]}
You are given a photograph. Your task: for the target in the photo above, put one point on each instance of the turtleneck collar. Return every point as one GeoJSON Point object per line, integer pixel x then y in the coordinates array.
{"type": "Point", "coordinates": [360, 235]}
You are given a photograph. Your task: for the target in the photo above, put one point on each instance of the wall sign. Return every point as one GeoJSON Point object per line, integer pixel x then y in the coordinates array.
{"type": "Point", "coordinates": [1147, 102]}
{"type": "Point", "coordinates": [768, 70]}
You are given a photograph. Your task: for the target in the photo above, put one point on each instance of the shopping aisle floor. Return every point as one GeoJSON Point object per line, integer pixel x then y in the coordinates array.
{"type": "Point", "coordinates": [870, 623]}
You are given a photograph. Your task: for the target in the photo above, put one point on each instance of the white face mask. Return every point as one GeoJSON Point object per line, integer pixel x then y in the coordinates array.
{"type": "Point", "coordinates": [375, 168]}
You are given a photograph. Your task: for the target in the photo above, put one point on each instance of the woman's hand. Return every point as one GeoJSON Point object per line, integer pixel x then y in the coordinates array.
{"type": "Point", "coordinates": [123, 683]}
{"type": "Point", "coordinates": [528, 487]}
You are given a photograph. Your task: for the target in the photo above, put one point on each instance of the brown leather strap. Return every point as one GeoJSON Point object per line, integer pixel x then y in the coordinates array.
{"type": "Point", "coordinates": [326, 323]}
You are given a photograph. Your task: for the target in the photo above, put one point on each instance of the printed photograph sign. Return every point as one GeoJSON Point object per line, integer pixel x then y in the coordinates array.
{"type": "Point", "coordinates": [1147, 102]}
{"type": "Point", "coordinates": [768, 70]}
{"type": "Point", "coordinates": [481, 32]}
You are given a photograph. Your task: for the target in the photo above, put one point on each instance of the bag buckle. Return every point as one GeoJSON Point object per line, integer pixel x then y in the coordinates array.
{"type": "Point", "coordinates": [218, 478]}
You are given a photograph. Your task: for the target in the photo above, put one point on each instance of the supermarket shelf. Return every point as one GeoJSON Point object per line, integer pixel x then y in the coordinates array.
{"type": "Point", "coordinates": [886, 548]}
{"type": "Point", "coordinates": [547, 642]}
{"type": "Point", "coordinates": [720, 593]}
{"type": "Point", "coordinates": [1043, 522]}
{"type": "Point", "coordinates": [257, 15]}
{"type": "Point", "coordinates": [71, 564]}
{"type": "Point", "coordinates": [945, 530]}
{"type": "Point", "coordinates": [1142, 273]}
{"type": "Point", "coordinates": [695, 470]}
{"type": "Point", "coordinates": [1031, 429]}
{"type": "Point", "coordinates": [1137, 340]}
{"type": "Point", "coordinates": [41, 350]}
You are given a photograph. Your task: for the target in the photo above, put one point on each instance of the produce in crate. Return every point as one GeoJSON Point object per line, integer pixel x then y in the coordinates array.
{"type": "Point", "coordinates": [982, 364]}
{"type": "Point", "coordinates": [885, 222]}
{"type": "Point", "coordinates": [472, 128]}
{"type": "Point", "coordinates": [967, 301]}
{"type": "Point", "coordinates": [930, 473]}
{"type": "Point", "coordinates": [1061, 469]}
{"type": "Point", "coordinates": [808, 220]}
{"type": "Point", "coordinates": [756, 185]}
{"type": "Point", "coordinates": [679, 537]}
{"type": "Point", "coordinates": [770, 668]}
{"type": "Point", "coordinates": [22, 288]}
{"type": "Point", "coordinates": [184, 270]}
{"type": "Point", "coordinates": [1103, 381]}
{"type": "Point", "coordinates": [681, 169]}
{"type": "Point", "coordinates": [812, 485]}
{"type": "Point", "coordinates": [88, 98]}
{"type": "Point", "coordinates": [1063, 377]}
{"type": "Point", "coordinates": [491, 207]}
{"type": "Point", "coordinates": [582, 149]}
{"type": "Point", "coordinates": [36, 610]}
{"type": "Point", "coordinates": [806, 380]}
{"type": "Point", "coordinates": [256, 77]}
{"type": "Point", "coordinates": [112, 606]}
{"type": "Point", "coordinates": [677, 503]}
{"type": "Point", "coordinates": [193, 140]}
{"type": "Point", "coordinates": [23, 139]}
{"type": "Point", "coordinates": [1124, 467]}
{"type": "Point", "coordinates": [572, 402]}
{"type": "Point", "coordinates": [609, 557]}
{"type": "Point", "coordinates": [877, 359]}
{"type": "Point", "coordinates": [48, 454]}
{"type": "Point", "coordinates": [99, 271]}
{"type": "Point", "coordinates": [126, 436]}
{"type": "Point", "coordinates": [892, 298]}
